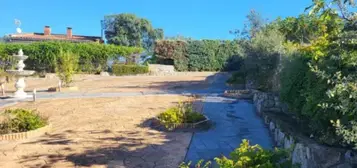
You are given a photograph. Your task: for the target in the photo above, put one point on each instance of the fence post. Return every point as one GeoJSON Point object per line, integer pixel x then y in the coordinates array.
{"type": "Point", "coordinates": [34, 95]}
{"type": "Point", "coordinates": [59, 85]}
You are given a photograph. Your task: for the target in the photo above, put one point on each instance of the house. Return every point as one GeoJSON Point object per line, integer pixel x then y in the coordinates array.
{"type": "Point", "coordinates": [48, 36]}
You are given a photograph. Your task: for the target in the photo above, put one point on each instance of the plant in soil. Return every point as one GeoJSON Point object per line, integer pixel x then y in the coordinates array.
{"type": "Point", "coordinates": [250, 156]}
{"type": "Point", "coordinates": [182, 113]}
{"type": "Point", "coordinates": [20, 120]}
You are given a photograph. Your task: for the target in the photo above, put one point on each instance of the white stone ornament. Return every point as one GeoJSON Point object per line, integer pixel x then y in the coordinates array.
{"type": "Point", "coordinates": [20, 74]}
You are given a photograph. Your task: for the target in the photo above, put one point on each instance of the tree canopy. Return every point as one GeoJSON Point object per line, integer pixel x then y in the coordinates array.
{"type": "Point", "coordinates": [129, 30]}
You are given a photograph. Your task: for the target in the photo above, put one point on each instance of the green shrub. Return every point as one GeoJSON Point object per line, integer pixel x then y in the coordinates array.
{"type": "Point", "coordinates": [66, 67]}
{"type": "Point", "coordinates": [171, 116]}
{"type": "Point", "coordinates": [182, 113]}
{"type": "Point", "coordinates": [21, 120]}
{"type": "Point", "coordinates": [199, 55]}
{"type": "Point", "coordinates": [247, 156]}
{"type": "Point", "coordinates": [262, 57]}
{"type": "Point", "coordinates": [121, 69]}
{"type": "Point", "coordinates": [193, 117]}
{"type": "Point", "coordinates": [43, 55]}
{"type": "Point", "coordinates": [237, 78]}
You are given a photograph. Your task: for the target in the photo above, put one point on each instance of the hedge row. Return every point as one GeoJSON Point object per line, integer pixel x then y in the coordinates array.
{"type": "Point", "coordinates": [199, 55]}
{"type": "Point", "coordinates": [121, 69]}
{"type": "Point", "coordinates": [42, 55]}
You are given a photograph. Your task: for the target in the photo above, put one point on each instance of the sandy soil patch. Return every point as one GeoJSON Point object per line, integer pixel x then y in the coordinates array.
{"type": "Point", "coordinates": [101, 132]}
{"type": "Point", "coordinates": [96, 83]}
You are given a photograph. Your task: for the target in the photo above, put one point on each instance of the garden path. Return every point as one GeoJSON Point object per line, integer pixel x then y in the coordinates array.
{"type": "Point", "coordinates": [233, 120]}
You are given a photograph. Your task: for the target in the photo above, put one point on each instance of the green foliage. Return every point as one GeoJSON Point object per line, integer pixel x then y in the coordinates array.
{"type": "Point", "coordinates": [237, 77]}
{"type": "Point", "coordinates": [302, 29]}
{"type": "Point", "coordinates": [21, 120]}
{"type": "Point", "coordinates": [293, 77]}
{"type": "Point", "coordinates": [318, 82]}
{"type": "Point", "coordinates": [255, 22]}
{"type": "Point", "coordinates": [199, 55]}
{"type": "Point", "coordinates": [172, 52]}
{"type": "Point", "coordinates": [43, 55]}
{"type": "Point", "coordinates": [171, 116]}
{"type": "Point", "coordinates": [129, 30]}
{"type": "Point", "coordinates": [346, 9]}
{"type": "Point", "coordinates": [200, 164]}
{"type": "Point", "coordinates": [66, 66]}
{"type": "Point", "coordinates": [121, 69]}
{"type": "Point", "coordinates": [183, 113]}
{"type": "Point", "coordinates": [348, 132]}
{"type": "Point", "coordinates": [247, 156]}
{"type": "Point", "coordinates": [262, 57]}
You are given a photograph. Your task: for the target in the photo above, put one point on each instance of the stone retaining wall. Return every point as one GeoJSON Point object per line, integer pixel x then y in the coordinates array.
{"type": "Point", "coordinates": [305, 151]}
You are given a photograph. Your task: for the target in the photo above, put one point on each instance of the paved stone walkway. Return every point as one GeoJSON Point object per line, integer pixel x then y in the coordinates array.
{"type": "Point", "coordinates": [233, 121]}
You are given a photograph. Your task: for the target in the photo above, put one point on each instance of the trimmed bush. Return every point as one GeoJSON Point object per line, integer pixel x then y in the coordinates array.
{"type": "Point", "coordinates": [43, 55]}
{"type": "Point", "coordinates": [121, 69]}
{"type": "Point", "coordinates": [20, 120]}
{"type": "Point", "coordinates": [199, 55]}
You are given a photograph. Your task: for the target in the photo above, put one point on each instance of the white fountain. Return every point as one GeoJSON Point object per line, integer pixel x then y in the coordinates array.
{"type": "Point", "coordinates": [20, 74]}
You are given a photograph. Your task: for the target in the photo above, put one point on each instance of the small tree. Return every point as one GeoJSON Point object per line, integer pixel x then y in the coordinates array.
{"type": "Point", "coordinates": [67, 64]}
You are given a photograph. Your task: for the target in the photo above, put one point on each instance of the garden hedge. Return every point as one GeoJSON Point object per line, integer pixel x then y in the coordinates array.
{"type": "Point", "coordinates": [199, 55]}
{"type": "Point", "coordinates": [122, 69]}
{"type": "Point", "coordinates": [42, 55]}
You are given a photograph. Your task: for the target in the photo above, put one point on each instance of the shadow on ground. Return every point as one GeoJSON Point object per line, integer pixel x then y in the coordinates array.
{"type": "Point", "coordinates": [140, 146]}
{"type": "Point", "coordinates": [130, 151]}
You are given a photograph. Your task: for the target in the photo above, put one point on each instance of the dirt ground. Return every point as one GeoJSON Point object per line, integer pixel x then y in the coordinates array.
{"type": "Point", "coordinates": [100, 132]}
{"type": "Point", "coordinates": [96, 83]}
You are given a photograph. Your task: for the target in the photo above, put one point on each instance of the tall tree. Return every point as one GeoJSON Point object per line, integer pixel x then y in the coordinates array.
{"type": "Point", "coordinates": [302, 29]}
{"type": "Point", "coordinates": [346, 8]}
{"type": "Point", "coordinates": [130, 30]}
{"type": "Point", "coordinates": [253, 25]}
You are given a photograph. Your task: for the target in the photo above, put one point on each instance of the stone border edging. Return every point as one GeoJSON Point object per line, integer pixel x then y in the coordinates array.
{"type": "Point", "coordinates": [25, 135]}
{"type": "Point", "coordinates": [303, 150]}
{"type": "Point", "coordinates": [239, 94]}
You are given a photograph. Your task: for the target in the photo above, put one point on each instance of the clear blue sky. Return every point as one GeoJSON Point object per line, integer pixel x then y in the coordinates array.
{"type": "Point", "coordinates": [199, 19]}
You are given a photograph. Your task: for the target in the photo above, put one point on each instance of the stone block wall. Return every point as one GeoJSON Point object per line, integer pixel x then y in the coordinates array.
{"type": "Point", "coordinates": [161, 69]}
{"type": "Point", "coordinates": [304, 151]}
{"type": "Point", "coordinates": [267, 102]}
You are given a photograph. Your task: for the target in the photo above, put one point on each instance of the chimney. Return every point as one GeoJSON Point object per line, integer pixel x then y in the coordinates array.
{"type": "Point", "coordinates": [47, 31]}
{"type": "Point", "coordinates": [69, 32]}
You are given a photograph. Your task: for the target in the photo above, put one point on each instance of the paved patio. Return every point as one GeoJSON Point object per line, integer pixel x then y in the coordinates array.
{"type": "Point", "coordinates": [233, 120]}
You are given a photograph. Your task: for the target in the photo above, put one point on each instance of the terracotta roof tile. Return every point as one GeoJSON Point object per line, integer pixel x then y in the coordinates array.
{"type": "Point", "coordinates": [41, 37]}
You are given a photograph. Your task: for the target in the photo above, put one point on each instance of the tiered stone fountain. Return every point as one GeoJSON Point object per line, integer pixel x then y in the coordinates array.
{"type": "Point", "coordinates": [20, 74]}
